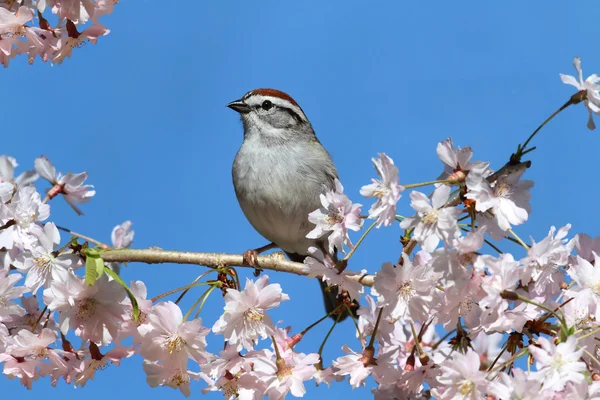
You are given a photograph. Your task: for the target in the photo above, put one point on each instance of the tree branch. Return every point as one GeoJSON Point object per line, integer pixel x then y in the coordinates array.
{"type": "Point", "coordinates": [273, 262]}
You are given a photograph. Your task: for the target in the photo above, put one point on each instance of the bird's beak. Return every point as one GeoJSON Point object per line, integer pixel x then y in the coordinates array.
{"type": "Point", "coordinates": [239, 106]}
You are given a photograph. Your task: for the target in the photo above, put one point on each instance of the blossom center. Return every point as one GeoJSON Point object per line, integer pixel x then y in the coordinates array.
{"type": "Point", "coordinates": [466, 387]}
{"type": "Point", "coordinates": [86, 308]}
{"type": "Point", "coordinates": [44, 262]}
{"type": "Point", "coordinates": [559, 362]}
{"type": "Point", "coordinates": [39, 353]}
{"type": "Point", "coordinates": [333, 216]}
{"type": "Point", "coordinates": [466, 259]}
{"type": "Point", "coordinates": [25, 220]}
{"type": "Point", "coordinates": [179, 378]}
{"type": "Point", "coordinates": [406, 291]}
{"type": "Point", "coordinates": [431, 216]}
{"type": "Point", "coordinates": [381, 190]}
{"type": "Point", "coordinates": [254, 314]}
{"type": "Point", "coordinates": [174, 343]}
{"type": "Point", "coordinates": [465, 306]}
{"type": "Point", "coordinates": [230, 389]}
{"type": "Point", "coordinates": [503, 189]}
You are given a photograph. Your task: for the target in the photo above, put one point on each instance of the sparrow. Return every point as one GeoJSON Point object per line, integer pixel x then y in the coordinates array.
{"type": "Point", "coordinates": [279, 173]}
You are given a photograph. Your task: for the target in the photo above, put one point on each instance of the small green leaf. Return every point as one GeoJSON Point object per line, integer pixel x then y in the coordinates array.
{"type": "Point", "coordinates": [94, 267]}
{"type": "Point", "coordinates": [92, 253]}
{"type": "Point", "coordinates": [134, 303]}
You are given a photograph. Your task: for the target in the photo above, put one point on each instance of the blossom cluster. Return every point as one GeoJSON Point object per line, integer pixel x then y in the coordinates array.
{"type": "Point", "coordinates": [458, 319]}
{"type": "Point", "coordinates": [25, 29]}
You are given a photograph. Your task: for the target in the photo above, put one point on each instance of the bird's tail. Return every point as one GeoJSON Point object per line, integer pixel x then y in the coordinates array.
{"type": "Point", "coordinates": [331, 297]}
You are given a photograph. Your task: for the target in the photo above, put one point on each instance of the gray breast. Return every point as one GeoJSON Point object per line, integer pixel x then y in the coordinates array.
{"type": "Point", "coordinates": [278, 186]}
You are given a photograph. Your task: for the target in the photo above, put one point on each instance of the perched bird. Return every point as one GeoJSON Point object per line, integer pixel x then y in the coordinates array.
{"type": "Point", "coordinates": [279, 173]}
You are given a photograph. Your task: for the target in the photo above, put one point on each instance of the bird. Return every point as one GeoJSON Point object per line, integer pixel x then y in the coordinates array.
{"type": "Point", "coordinates": [279, 173]}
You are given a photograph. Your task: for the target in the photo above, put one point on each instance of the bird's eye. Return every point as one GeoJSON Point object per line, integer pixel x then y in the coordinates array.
{"type": "Point", "coordinates": [266, 105]}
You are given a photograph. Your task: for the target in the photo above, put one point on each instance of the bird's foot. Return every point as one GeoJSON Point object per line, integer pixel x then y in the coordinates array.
{"type": "Point", "coordinates": [251, 257]}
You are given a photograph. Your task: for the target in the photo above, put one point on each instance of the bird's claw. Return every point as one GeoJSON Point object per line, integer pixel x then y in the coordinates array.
{"type": "Point", "coordinates": [251, 258]}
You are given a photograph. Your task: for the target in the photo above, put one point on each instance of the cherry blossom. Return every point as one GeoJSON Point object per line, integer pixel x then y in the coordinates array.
{"type": "Point", "coordinates": [558, 364]}
{"type": "Point", "coordinates": [587, 275]}
{"type": "Point", "coordinates": [88, 367]}
{"type": "Point", "coordinates": [544, 259]}
{"type": "Point", "coordinates": [335, 218]}
{"type": "Point", "coordinates": [585, 246]}
{"type": "Point", "coordinates": [41, 264]}
{"type": "Point", "coordinates": [71, 186]}
{"type": "Point", "coordinates": [245, 318]}
{"type": "Point", "coordinates": [320, 266]}
{"type": "Point", "coordinates": [167, 337]}
{"type": "Point", "coordinates": [281, 377]}
{"type": "Point", "coordinates": [93, 312]}
{"type": "Point", "coordinates": [22, 218]}
{"type": "Point", "coordinates": [7, 173]}
{"type": "Point", "coordinates": [8, 292]}
{"type": "Point", "coordinates": [519, 386]}
{"type": "Point", "coordinates": [407, 290]}
{"type": "Point", "coordinates": [461, 378]}
{"type": "Point", "coordinates": [121, 237]}
{"type": "Point", "coordinates": [508, 198]}
{"type": "Point", "coordinates": [591, 86]}
{"type": "Point", "coordinates": [386, 190]}
{"type": "Point", "coordinates": [433, 222]}
{"type": "Point", "coordinates": [172, 375]}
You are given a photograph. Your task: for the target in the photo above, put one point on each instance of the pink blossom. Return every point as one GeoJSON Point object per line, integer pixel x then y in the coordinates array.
{"type": "Point", "coordinates": [94, 312]}
{"type": "Point", "coordinates": [23, 215]}
{"type": "Point", "coordinates": [520, 385]}
{"type": "Point", "coordinates": [507, 198]}
{"type": "Point", "coordinates": [461, 378]}
{"type": "Point", "coordinates": [12, 24]}
{"type": "Point", "coordinates": [243, 386]}
{"type": "Point", "coordinates": [335, 218]}
{"type": "Point", "coordinates": [558, 364]}
{"type": "Point", "coordinates": [129, 326]}
{"type": "Point", "coordinates": [461, 301]}
{"type": "Point", "coordinates": [230, 360]}
{"type": "Point", "coordinates": [7, 173]}
{"type": "Point", "coordinates": [70, 185]}
{"type": "Point", "coordinates": [99, 361]}
{"type": "Point", "coordinates": [544, 260]}
{"type": "Point", "coordinates": [586, 246]}
{"type": "Point", "coordinates": [168, 337]}
{"type": "Point", "coordinates": [175, 376]}
{"type": "Point", "coordinates": [504, 273]}
{"type": "Point", "coordinates": [322, 267]}
{"type": "Point", "coordinates": [66, 44]}
{"type": "Point", "coordinates": [41, 264]}
{"type": "Point", "coordinates": [122, 235]}
{"type": "Point", "coordinates": [406, 289]}
{"type": "Point", "coordinates": [587, 275]}
{"type": "Point", "coordinates": [245, 319]}
{"type": "Point", "coordinates": [360, 367]}
{"type": "Point", "coordinates": [288, 376]}
{"type": "Point", "coordinates": [8, 309]}
{"type": "Point", "coordinates": [386, 190]}
{"type": "Point", "coordinates": [592, 88]}
{"type": "Point", "coordinates": [453, 263]}
{"type": "Point", "coordinates": [433, 222]}
{"type": "Point", "coordinates": [454, 158]}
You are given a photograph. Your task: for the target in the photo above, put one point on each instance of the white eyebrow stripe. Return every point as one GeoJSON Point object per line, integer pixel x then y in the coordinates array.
{"type": "Point", "coordinates": [257, 99]}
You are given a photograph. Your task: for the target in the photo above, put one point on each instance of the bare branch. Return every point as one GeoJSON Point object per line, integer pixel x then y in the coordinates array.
{"type": "Point", "coordinates": [273, 262]}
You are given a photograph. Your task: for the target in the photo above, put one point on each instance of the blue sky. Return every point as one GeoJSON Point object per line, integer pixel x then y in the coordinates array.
{"type": "Point", "coordinates": [144, 113]}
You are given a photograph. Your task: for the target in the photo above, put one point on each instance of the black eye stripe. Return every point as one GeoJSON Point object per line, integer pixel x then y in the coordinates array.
{"type": "Point", "coordinates": [293, 114]}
